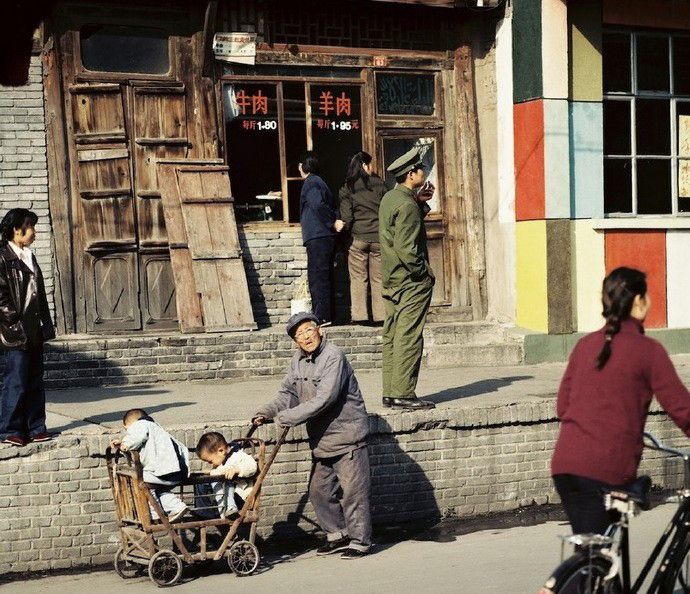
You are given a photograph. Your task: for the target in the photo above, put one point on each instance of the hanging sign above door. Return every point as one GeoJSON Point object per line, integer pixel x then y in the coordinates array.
{"type": "Point", "coordinates": [235, 47]}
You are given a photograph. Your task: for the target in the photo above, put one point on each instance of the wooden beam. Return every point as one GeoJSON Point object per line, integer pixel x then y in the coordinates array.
{"type": "Point", "coordinates": [470, 187]}
{"type": "Point", "coordinates": [58, 189]}
{"type": "Point", "coordinates": [429, 3]}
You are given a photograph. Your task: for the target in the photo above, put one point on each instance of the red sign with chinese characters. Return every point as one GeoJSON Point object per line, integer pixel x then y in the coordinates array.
{"type": "Point", "coordinates": [335, 108]}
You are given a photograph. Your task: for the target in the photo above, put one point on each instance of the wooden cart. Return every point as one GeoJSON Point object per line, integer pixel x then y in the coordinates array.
{"type": "Point", "coordinates": [142, 549]}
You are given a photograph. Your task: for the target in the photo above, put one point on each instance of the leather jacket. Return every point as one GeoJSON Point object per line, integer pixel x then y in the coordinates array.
{"type": "Point", "coordinates": [24, 315]}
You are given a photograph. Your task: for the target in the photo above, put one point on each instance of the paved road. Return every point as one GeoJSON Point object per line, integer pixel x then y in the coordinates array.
{"type": "Point", "coordinates": [496, 561]}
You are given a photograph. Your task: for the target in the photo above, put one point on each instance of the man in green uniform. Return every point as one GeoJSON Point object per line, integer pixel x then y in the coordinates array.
{"type": "Point", "coordinates": [407, 279]}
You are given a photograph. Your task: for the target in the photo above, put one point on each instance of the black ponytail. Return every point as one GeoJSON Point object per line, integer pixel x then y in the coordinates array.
{"type": "Point", "coordinates": [618, 293]}
{"type": "Point", "coordinates": [355, 170]}
{"type": "Point", "coordinates": [17, 218]}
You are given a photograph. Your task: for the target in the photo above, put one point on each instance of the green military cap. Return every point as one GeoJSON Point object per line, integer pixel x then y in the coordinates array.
{"type": "Point", "coordinates": [409, 161]}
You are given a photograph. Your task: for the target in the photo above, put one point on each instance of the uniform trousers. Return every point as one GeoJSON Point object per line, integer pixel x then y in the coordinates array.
{"type": "Point", "coordinates": [339, 490]}
{"type": "Point", "coordinates": [403, 342]}
{"type": "Point", "coordinates": [364, 264]}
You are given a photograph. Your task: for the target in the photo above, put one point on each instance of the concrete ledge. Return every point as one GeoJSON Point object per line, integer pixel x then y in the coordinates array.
{"type": "Point", "coordinates": [56, 508]}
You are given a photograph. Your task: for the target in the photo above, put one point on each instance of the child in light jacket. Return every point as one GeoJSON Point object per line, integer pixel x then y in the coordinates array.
{"type": "Point", "coordinates": [164, 459]}
{"type": "Point", "coordinates": [235, 465]}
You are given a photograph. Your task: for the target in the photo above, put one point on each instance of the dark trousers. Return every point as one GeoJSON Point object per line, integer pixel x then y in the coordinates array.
{"type": "Point", "coordinates": [23, 412]}
{"type": "Point", "coordinates": [339, 490]}
{"type": "Point", "coordinates": [320, 252]}
{"type": "Point", "coordinates": [206, 504]}
{"type": "Point", "coordinates": [584, 503]}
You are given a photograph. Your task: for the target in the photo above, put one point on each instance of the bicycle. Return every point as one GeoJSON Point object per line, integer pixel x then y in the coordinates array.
{"type": "Point", "coordinates": [601, 563]}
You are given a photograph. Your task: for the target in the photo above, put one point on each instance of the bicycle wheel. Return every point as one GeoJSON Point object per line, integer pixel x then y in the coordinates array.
{"type": "Point", "coordinates": [677, 578]}
{"type": "Point", "coordinates": [580, 575]}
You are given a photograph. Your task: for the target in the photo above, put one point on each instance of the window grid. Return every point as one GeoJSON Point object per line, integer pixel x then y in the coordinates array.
{"type": "Point", "coordinates": [632, 96]}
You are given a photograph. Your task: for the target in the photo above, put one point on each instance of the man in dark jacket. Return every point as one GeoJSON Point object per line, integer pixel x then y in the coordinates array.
{"type": "Point", "coordinates": [320, 389]}
{"type": "Point", "coordinates": [320, 226]}
{"type": "Point", "coordinates": [24, 325]}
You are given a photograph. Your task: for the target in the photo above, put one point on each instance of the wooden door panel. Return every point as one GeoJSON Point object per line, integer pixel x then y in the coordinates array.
{"type": "Point", "coordinates": [98, 113]}
{"type": "Point", "coordinates": [112, 290]}
{"type": "Point", "coordinates": [106, 201]}
{"type": "Point", "coordinates": [438, 265]}
{"type": "Point", "coordinates": [158, 288]}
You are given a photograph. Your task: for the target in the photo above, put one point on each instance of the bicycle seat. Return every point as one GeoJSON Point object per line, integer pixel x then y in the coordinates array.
{"type": "Point", "coordinates": [637, 492]}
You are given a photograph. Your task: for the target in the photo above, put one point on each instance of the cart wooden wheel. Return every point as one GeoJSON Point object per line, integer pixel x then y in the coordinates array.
{"type": "Point", "coordinates": [243, 557]}
{"type": "Point", "coordinates": [124, 568]}
{"type": "Point", "coordinates": [165, 568]}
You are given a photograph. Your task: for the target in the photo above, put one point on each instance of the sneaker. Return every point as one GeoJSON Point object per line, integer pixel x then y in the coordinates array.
{"type": "Point", "coordinates": [177, 515]}
{"type": "Point", "coordinates": [231, 512]}
{"type": "Point", "coordinates": [353, 554]}
{"type": "Point", "coordinates": [14, 440]}
{"type": "Point", "coordinates": [333, 546]}
{"type": "Point", "coordinates": [41, 437]}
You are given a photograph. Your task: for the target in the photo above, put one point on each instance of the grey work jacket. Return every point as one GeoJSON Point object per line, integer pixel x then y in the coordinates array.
{"type": "Point", "coordinates": [321, 390]}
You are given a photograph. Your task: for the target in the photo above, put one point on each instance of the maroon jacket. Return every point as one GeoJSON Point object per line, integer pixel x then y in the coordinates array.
{"type": "Point", "coordinates": [603, 412]}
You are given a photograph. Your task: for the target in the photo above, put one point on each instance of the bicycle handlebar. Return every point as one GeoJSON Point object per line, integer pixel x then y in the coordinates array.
{"type": "Point", "coordinates": [657, 445]}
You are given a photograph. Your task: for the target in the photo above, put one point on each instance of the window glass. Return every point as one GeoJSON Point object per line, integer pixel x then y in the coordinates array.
{"type": "Point", "coordinates": [681, 59]}
{"type": "Point", "coordinates": [616, 54]}
{"type": "Point", "coordinates": [405, 94]}
{"type": "Point", "coordinates": [653, 126]}
{"type": "Point", "coordinates": [652, 63]}
{"type": "Point", "coordinates": [251, 116]}
{"type": "Point", "coordinates": [617, 127]}
{"type": "Point", "coordinates": [653, 186]}
{"type": "Point", "coordinates": [336, 128]}
{"type": "Point", "coordinates": [394, 148]}
{"type": "Point", "coordinates": [618, 186]}
{"type": "Point", "coordinates": [114, 48]}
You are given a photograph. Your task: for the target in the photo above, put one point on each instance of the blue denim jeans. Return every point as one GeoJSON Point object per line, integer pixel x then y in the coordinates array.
{"type": "Point", "coordinates": [23, 411]}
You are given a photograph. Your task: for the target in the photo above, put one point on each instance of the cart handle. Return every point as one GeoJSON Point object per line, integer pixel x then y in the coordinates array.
{"type": "Point", "coordinates": [254, 427]}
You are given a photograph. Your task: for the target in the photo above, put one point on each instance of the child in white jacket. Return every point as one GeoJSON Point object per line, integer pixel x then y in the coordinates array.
{"type": "Point", "coordinates": [235, 465]}
{"type": "Point", "coordinates": [165, 460]}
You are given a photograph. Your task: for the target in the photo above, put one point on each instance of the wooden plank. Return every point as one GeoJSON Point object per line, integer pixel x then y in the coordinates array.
{"type": "Point", "coordinates": [94, 88]}
{"type": "Point", "coordinates": [236, 303]}
{"type": "Point", "coordinates": [86, 138]}
{"type": "Point", "coordinates": [58, 188]}
{"type": "Point", "coordinates": [189, 312]}
{"type": "Point", "coordinates": [469, 160]}
{"type": "Point", "coordinates": [102, 154]}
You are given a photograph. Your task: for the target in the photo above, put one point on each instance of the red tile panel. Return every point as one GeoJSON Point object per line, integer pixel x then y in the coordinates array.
{"type": "Point", "coordinates": [528, 125]}
{"type": "Point", "coordinates": [646, 251]}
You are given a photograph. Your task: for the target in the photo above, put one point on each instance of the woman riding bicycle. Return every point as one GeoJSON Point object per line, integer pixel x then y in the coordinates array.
{"type": "Point", "coordinates": [603, 401]}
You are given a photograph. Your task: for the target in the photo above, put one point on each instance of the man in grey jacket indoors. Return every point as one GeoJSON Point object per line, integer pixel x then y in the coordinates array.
{"type": "Point", "coordinates": [320, 389]}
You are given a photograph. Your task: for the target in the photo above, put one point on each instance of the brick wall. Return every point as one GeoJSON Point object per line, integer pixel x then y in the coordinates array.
{"type": "Point", "coordinates": [135, 360]}
{"type": "Point", "coordinates": [23, 165]}
{"type": "Point", "coordinates": [56, 508]}
{"type": "Point", "coordinates": [276, 264]}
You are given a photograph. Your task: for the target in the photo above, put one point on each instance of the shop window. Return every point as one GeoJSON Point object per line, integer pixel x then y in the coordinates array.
{"type": "Point", "coordinates": [115, 48]}
{"type": "Point", "coordinates": [404, 94]}
{"type": "Point", "coordinates": [646, 123]}
{"type": "Point", "coordinates": [268, 128]}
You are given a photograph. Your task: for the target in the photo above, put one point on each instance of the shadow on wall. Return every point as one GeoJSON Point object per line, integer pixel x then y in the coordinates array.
{"type": "Point", "coordinates": [401, 495]}
{"type": "Point", "coordinates": [475, 388]}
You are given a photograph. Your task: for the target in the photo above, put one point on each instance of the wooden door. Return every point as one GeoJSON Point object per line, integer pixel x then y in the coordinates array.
{"type": "Point", "coordinates": [159, 132]}
{"type": "Point", "coordinates": [106, 212]}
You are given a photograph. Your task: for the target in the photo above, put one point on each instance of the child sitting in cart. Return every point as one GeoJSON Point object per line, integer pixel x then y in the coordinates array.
{"type": "Point", "coordinates": [165, 460]}
{"type": "Point", "coordinates": [235, 465]}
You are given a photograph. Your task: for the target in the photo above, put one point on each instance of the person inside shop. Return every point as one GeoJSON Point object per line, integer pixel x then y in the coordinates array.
{"type": "Point", "coordinates": [360, 198]}
{"type": "Point", "coordinates": [320, 226]}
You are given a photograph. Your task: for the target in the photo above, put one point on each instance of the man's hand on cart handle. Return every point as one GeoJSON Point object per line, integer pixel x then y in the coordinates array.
{"type": "Point", "coordinates": [116, 444]}
{"type": "Point", "coordinates": [259, 420]}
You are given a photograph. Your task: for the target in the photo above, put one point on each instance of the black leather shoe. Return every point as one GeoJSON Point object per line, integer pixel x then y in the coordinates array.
{"type": "Point", "coordinates": [353, 554]}
{"type": "Point", "coordinates": [387, 400]}
{"type": "Point", "coordinates": [333, 546]}
{"type": "Point", "coordinates": [411, 403]}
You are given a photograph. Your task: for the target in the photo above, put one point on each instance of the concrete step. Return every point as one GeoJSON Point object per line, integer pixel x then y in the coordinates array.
{"type": "Point", "coordinates": [482, 355]}
{"type": "Point", "coordinates": [473, 333]}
